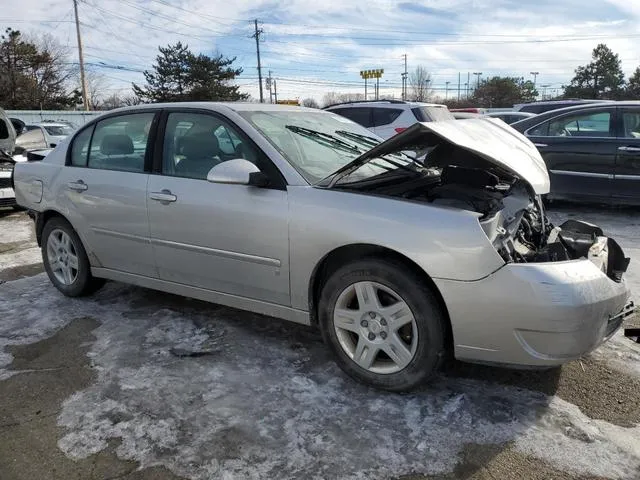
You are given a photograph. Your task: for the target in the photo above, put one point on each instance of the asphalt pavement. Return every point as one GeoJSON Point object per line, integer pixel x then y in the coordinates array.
{"type": "Point", "coordinates": [136, 384]}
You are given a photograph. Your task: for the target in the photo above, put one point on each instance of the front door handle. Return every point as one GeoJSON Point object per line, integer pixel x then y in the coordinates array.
{"type": "Point", "coordinates": [78, 186]}
{"type": "Point", "coordinates": [164, 196]}
{"type": "Point", "coordinates": [540, 145]}
{"type": "Point", "coordinates": [629, 149]}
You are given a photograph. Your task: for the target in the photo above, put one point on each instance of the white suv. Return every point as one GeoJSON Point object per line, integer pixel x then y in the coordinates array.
{"type": "Point", "coordinates": [386, 118]}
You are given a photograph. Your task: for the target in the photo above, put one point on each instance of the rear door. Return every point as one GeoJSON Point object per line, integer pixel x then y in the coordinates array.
{"type": "Point", "coordinates": [105, 190]}
{"type": "Point", "coordinates": [579, 150]}
{"type": "Point", "coordinates": [627, 174]}
{"type": "Point", "coordinates": [386, 121]}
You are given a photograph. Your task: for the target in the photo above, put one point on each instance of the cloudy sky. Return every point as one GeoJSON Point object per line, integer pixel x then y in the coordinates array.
{"type": "Point", "coordinates": [316, 46]}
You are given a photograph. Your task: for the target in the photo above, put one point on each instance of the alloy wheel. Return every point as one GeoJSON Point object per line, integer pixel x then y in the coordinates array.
{"type": "Point", "coordinates": [375, 327]}
{"type": "Point", "coordinates": [62, 257]}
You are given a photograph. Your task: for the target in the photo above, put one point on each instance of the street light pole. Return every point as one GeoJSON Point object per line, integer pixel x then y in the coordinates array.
{"type": "Point", "coordinates": [478, 74]}
{"type": "Point", "coordinates": [446, 90]}
{"type": "Point", "coordinates": [535, 77]}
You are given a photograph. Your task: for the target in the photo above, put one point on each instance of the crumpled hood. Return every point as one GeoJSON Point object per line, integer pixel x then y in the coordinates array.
{"type": "Point", "coordinates": [490, 138]}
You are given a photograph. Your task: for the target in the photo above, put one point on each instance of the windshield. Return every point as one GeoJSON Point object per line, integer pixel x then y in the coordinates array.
{"type": "Point", "coordinates": [317, 144]}
{"type": "Point", "coordinates": [58, 130]}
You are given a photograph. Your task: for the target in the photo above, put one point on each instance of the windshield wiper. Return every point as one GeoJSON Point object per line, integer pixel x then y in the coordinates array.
{"type": "Point", "coordinates": [369, 141]}
{"type": "Point", "coordinates": [324, 139]}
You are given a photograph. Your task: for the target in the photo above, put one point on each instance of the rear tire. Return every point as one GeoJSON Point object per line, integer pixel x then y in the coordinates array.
{"type": "Point", "coordinates": [383, 324]}
{"type": "Point", "coordinates": [65, 260]}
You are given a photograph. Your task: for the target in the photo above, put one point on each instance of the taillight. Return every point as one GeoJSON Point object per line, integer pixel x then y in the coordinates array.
{"type": "Point", "coordinates": [400, 129]}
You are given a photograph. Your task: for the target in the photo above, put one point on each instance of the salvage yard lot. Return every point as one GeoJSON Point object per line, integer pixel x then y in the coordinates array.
{"type": "Point", "coordinates": [132, 383]}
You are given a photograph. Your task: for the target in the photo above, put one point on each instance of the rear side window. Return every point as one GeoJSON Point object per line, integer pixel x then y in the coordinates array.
{"type": "Point", "coordinates": [120, 143]}
{"type": "Point", "coordinates": [80, 148]}
{"type": "Point", "coordinates": [432, 114]}
{"type": "Point", "coordinates": [385, 116]}
{"type": "Point", "coordinates": [361, 115]}
{"type": "Point", "coordinates": [588, 124]}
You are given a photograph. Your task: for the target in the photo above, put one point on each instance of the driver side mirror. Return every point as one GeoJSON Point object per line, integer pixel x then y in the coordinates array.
{"type": "Point", "coordinates": [238, 172]}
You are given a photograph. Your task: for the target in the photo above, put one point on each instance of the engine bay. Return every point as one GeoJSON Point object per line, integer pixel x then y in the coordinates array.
{"type": "Point", "coordinates": [512, 215]}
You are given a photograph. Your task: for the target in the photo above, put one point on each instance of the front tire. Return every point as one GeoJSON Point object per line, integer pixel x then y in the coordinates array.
{"type": "Point", "coordinates": [65, 260]}
{"type": "Point", "coordinates": [383, 324]}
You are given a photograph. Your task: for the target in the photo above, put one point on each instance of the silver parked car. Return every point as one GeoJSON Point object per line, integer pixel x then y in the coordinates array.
{"type": "Point", "coordinates": [432, 242]}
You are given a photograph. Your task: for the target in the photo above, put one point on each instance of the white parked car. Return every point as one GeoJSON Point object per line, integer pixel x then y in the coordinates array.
{"type": "Point", "coordinates": [387, 118]}
{"type": "Point", "coordinates": [44, 135]}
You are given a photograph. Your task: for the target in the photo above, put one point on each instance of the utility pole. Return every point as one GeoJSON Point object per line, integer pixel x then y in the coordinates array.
{"type": "Point", "coordinates": [478, 74]}
{"type": "Point", "coordinates": [535, 76]}
{"type": "Point", "coordinates": [405, 76]}
{"type": "Point", "coordinates": [269, 84]}
{"type": "Point", "coordinates": [446, 90]}
{"type": "Point", "coordinates": [83, 79]}
{"type": "Point", "coordinates": [256, 35]}
{"type": "Point", "coordinates": [458, 86]}
{"type": "Point", "coordinates": [275, 91]}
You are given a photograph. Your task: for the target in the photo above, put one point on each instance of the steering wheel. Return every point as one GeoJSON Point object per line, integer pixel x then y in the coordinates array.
{"type": "Point", "coordinates": [566, 133]}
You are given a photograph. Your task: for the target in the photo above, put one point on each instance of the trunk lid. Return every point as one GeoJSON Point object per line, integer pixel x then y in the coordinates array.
{"type": "Point", "coordinates": [491, 139]}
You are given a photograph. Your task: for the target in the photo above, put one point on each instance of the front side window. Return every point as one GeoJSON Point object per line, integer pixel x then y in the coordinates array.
{"type": "Point", "coordinates": [194, 143]}
{"type": "Point", "coordinates": [631, 123]}
{"type": "Point", "coordinates": [120, 143]}
{"type": "Point", "coordinates": [590, 124]}
{"type": "Point", "coordinates": [4, 130]}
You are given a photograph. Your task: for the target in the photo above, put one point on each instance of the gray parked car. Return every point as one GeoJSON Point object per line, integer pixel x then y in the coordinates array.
{"type": "Point", "coordinates": [304, 215]}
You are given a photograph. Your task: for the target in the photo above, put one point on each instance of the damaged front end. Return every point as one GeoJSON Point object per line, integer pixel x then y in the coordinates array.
{"type": "Point", "coordinates": [486, 167]}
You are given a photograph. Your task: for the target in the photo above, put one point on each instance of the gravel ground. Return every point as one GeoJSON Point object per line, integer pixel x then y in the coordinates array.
{"type": "Point", "coordinates": [90, 389]}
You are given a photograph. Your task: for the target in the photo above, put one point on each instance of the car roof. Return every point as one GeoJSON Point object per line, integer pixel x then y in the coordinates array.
{"type": "Point", "coordinates": [219, 106]}
{"type": "Point", "coordinates": [527, 122]}
{"type": "Point", "coordinates": [384, 103]}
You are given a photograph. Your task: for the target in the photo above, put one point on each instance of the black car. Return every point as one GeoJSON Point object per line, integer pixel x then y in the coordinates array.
{"type": "Point", "coordinates": [592, 151]}
{"type": "Point", "coordinates": [547, 105]}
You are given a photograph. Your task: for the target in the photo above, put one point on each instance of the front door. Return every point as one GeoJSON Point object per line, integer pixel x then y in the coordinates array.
{"type": "Point", "coordinates": [231, 239]}
{"type": "Point", "coordinates": [627, 176]}
{"type": "Point", "coordinates": [579, 150]}
{"type": "Point", "coordinates": [106, 187]}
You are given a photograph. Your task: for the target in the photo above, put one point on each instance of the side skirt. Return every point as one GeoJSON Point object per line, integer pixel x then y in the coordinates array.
{"type": "Point", "coordinates": [241, 303]}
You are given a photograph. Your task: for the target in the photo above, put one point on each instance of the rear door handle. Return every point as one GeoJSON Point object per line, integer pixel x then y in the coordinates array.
{"type": "Point", "coordinates": [165, 196]}
{"type": "Point", "coordinates": [540, 145]}
{"type": "Point", "coordinates": [629, 149]}
{"type": "Point", "coordinates": [78, 186]}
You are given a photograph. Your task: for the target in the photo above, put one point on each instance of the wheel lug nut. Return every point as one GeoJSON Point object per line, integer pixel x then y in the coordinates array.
{"type": "Point", "coordinates": [372, 314]}
{"type": "Point", "coordinates": [372, 336]}
{"type": "Point", "coordinates": [364, 323]}
{"type": "Point", "coordinates": [383, 335]}
{"type": "Point", "coordinates": [383, 322]}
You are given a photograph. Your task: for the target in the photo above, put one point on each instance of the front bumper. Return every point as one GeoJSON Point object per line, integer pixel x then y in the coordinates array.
{"type": "Point", "coordinates": [7, 197]}
{"type": "Point", "coordinates": [535, 314]}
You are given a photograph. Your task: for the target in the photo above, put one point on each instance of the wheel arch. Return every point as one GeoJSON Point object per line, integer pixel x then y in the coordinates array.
{"type": "Point", "coordinates": [348, 253]}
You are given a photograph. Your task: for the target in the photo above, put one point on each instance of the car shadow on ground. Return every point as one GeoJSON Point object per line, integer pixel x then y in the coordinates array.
{"type": "Point", "coordinates": [280, 375]}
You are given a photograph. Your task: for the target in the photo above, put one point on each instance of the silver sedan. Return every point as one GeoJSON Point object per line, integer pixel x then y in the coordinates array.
{"type": "Point", "coordinates": [434, 242]}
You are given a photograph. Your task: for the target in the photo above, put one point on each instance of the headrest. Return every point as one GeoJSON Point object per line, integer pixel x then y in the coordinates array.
{"type": "Point", "coordinates": [200, 145]}
{"type": "Point", "coordinates": [116, 145]}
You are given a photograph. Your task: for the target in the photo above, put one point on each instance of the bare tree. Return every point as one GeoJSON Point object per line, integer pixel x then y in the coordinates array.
{"type": "Point", "coordinates": [331, 98]}
{"type": "Point", "coordinates": [310, 102]}
{"type": "Point", "coordinates": [96, 86]}
{"type": "Point", "coordinates": [420, 81]}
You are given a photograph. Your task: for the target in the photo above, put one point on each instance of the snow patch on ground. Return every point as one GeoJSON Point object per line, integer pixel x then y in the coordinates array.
{"type": "Point", "coordinates": [28, 256]}
{"type": "Point", "coordinates": [267, 401]}
{"type": "Point", "coordinates": [16, 229]}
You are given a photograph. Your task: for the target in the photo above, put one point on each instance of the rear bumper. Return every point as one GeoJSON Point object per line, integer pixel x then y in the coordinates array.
{"type": "Point", "coordinates": [536, 314]}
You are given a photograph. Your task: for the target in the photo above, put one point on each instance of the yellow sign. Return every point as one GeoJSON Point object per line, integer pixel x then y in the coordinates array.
{"type": "Point", "coordinates": [377, 73]}
{"type": "Point", "coordinates": [288, 102]}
